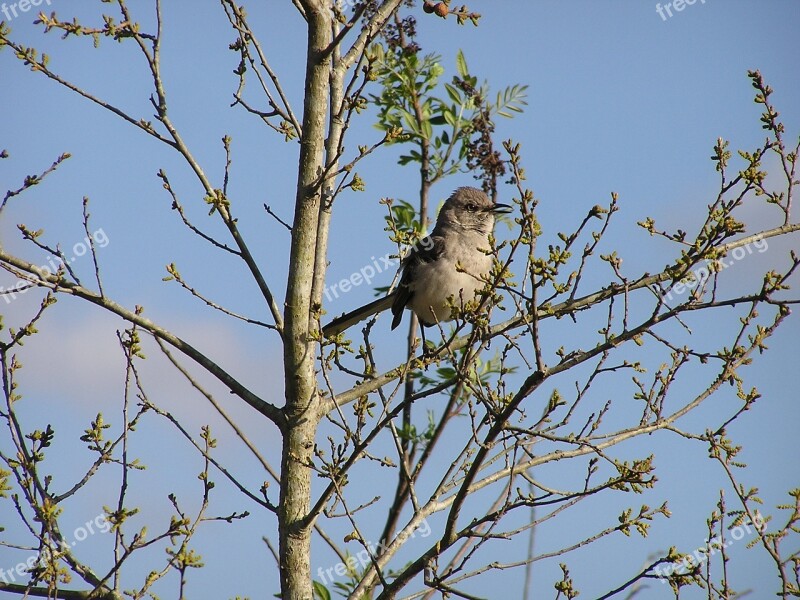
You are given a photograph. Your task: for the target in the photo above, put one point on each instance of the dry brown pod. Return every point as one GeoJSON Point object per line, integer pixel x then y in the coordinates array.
{"type": "Point", "coordinates": [441, 9]}
{"type": "Point", "coordinates": [427, 6]}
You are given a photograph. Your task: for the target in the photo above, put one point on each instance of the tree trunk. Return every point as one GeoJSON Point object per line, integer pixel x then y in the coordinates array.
{"type": "Point", "coordinates": [302, 402]}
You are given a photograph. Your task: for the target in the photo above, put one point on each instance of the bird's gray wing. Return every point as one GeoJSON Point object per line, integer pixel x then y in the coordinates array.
{"type": "Point", "coordinates": [428, 249]}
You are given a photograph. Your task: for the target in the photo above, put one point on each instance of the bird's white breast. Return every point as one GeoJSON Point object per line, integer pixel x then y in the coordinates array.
{"type": "Point", "coordinates": [430, 302]}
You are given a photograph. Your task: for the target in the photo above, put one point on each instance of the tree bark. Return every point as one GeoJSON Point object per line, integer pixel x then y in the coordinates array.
{"type": "Point", "coordinates": [302, 402]}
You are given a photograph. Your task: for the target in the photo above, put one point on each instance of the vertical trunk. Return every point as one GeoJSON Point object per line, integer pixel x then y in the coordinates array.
{"type": "Point", "coordinates": [302, 403]}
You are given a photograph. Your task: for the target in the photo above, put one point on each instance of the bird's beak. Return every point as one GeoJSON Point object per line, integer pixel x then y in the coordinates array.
{"type": "Point", "coordinates": [502, 208]}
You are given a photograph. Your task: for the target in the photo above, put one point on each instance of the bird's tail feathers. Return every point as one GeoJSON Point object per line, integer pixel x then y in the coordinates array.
{"type": "Point", "coordinates": [347, 320]}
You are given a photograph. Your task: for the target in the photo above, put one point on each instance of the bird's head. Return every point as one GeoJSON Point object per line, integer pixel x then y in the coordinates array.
{"type": "Point", "coordinates": [470, 208]}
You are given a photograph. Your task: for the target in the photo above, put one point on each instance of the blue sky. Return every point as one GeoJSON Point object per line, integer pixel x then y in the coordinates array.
{"type": "Point", "coordinates": [620, 100]}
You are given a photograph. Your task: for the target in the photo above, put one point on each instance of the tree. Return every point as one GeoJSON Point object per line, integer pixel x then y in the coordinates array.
{"type": "Point", "coordinates": [490, 396]}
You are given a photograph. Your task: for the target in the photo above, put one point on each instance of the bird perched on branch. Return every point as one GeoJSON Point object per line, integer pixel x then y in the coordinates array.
{"type": "Point", "coordinates": [452, 263]}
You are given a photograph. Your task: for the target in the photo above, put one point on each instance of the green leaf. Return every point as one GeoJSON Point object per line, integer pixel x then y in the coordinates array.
{"type": "Point", "coordinates": [450, 117]}
{"type": "Point", "coordinates": [427, 129]}
{"type": "Point", "coordinates": [461, 64]}
{"type": "Point", "coordinates": [321, 592]}
{"type": "Point", "coordinates": [454, 94]}
{"type": "Point", "coordinates": [512, 99]}
{"type": "Point", "coordinates": [410, 121]}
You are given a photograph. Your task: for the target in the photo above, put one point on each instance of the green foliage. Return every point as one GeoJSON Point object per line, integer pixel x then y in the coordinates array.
{"type": "Point", "coordinates": [633, 477]}
{"type": "Point", "coordinates": [641, 521]}
{"type": "Point", "coordinates": [409, 432]}
{"type": "Point", "coordinates": [344, 588]}
{"type": "Point", "coordinates": [403, 223]}
{"type": "Point", "coordinates": [94, 435]}
{"type": "Point", "coordinates": [321, 592]}
{"type": "Point", "coordinates": [445, 127]}
{"type": "Point", "coordinates": [480, 374]}
{"type": "Point", "coordinates": [439, 120]}
{"type": "Point", "coordinates": [185, 559]}
{"type": "Point", "coordinates": [4, 487]}
{"type": "Point", "coordinates": [41, 440]}
{"type": "Point", "coordinates": [565, 585]}
{"type": "Point", "coordinates": [217, 201]}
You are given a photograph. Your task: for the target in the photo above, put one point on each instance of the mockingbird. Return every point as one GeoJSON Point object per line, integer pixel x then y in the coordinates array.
{"type": "Point", "coordinates": [450, 264]}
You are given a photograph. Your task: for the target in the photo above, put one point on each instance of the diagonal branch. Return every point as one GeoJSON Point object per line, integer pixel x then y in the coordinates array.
{"type": "Point", "coordinates": [557, 310]}
{"type": "Point", "coordinates": [37, 276]}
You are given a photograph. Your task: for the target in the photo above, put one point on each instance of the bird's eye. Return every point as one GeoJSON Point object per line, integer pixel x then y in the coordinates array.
{"type": "Point", "coordinates": [471, 207]}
